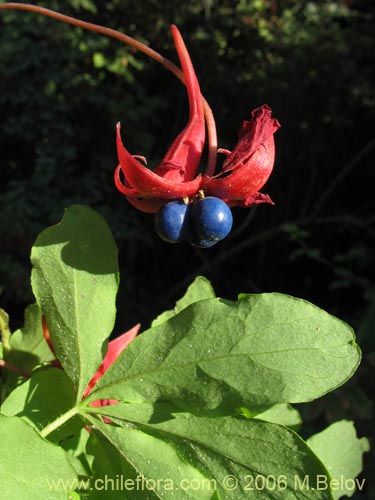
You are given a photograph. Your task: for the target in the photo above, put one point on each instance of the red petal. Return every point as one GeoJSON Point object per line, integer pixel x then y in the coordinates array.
{"type": "Point", "coordinates": [185, 152]}
{"type": "Point", "coordinates": [115, 348]}
{"type": "Point", "coordinates": [148, 183]}
{"type": "Point", "coordinates": [254, 199]}
{"type": "Point", "coordinates": [253, 134]}
{"type": "Point", "coordinates": [126, 190]}
{"type": "Point", "coordinates": [147, 205]}
{"type": "Point", "coordinates": [173, 178]}
{"type": "Point", "coordinates": [246, 179]}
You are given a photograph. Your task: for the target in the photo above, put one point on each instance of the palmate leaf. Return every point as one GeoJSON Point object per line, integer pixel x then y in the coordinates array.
{"type": "Point", "coordinates": [75, 280]}
{"type": "Point", "coordinates": [217, 355]}
{"type": "Point", "coordinates": [240, 459]}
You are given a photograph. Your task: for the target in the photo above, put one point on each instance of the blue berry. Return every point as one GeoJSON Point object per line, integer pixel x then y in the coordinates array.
{"type": "Point", "coordinates": [202, 243]}
{"type": "Point", "coordinates": [211, 219]}
{"type": "Point", "coordinates": [172, 222]}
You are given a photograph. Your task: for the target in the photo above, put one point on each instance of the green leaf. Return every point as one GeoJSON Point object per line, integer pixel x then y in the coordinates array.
{"type": "Point", "coordinates": [30, 467]}
{"type": "Point", "coordinates": [42, 399]}
{"type": "Point", "coordinates": [200, 289]}
{"type": "Point", "coordinates": [28, 345]}
{"type": "Point", "coordinates": [341, 451]}
{"type": "Point", "coordinates": [218, 355]}
{"type": "Point", "coordinates": [75, 280]}
{"type": "Point", "coordinates": [28, 348]}
{"type": "Point", "coordinates": [240, 459]}
{"type": "Point", "coordinates": [157, 460]}
{"type": "Point", "coordinates": [282, 414]}
{"type": "Point", "coordinates": [4, 332]}
{"type": "Point", "coordinates": [110, 463]}
{"type": "Point", "coordinates": [84, 4]}
{"type": "Point", "coordinates": [74, 496]}
{"type": "Point", "coordinates": [76, 447]}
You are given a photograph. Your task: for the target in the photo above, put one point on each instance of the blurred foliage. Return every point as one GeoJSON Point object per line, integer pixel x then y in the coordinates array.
{"type": "Point", "coordinates": [63, 89]}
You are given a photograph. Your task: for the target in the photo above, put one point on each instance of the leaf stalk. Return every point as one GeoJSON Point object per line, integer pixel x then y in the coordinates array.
{"type": "Point", "coordinates": [48, 429]}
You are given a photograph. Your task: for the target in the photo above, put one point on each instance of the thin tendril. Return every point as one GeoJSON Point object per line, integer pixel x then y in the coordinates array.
{"type": "Point", "coordinates": [210, 122]}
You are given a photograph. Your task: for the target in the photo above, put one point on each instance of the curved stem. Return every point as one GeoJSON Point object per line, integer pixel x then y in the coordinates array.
{"type": "Point", "coordinates": [212, 139]}
{"type": "Point", "coordinates": [211, 127]}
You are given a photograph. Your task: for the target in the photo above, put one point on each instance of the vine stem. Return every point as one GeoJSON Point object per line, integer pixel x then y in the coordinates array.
{"type": "Point", "coordinates": [12, 368]}
{"type": "Point", "coordinates": [59, 421]}
{"type": "Point", "coordinates": [210, 122]}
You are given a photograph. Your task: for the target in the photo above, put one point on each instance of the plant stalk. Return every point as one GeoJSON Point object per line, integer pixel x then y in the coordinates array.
{"type": "Point", "coordinates": [59, 421]}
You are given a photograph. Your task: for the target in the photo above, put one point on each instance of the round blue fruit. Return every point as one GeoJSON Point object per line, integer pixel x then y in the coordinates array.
{"type": "Point", "coordinates": [172, 222]}
{"type": "Point", "coordinates": [211, 219]}
{"type": "Point", "coordinates": [203, 243]}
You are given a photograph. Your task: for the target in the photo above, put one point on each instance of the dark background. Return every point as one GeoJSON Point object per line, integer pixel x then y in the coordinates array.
{"type": "Point", "coordinates": [62, 90]}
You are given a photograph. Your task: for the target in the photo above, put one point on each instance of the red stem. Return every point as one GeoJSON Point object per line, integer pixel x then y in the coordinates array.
{"type": "Point", "coordinates": [13, 368]}
{"type": "Point", "coordinates": [211, 127]}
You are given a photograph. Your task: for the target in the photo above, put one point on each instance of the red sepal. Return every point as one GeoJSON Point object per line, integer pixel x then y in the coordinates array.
{"type": "Point", "coordinates": [148, 183]}
{"type": "Point", "coordinates": [174, 177]}
{"type": "Point", "coordinates": [249, 166]}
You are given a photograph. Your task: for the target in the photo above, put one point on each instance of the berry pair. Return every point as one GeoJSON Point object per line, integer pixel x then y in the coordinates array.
{"type": "Point", "coordinates": [203, 223]}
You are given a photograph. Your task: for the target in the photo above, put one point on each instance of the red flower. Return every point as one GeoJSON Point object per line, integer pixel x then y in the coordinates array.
{"type": "Point", "coordinates": [174, 177]}
{"type": "Point", "coordinates": [244, 172]}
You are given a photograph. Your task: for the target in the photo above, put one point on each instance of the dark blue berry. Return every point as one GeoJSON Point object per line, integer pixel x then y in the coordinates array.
{"type": "Point", "coordinates": [172, 222]}
{"type": "Point", "coordinates": [211, 219]}
{"type": "Point", "coordinates": [203, 243]}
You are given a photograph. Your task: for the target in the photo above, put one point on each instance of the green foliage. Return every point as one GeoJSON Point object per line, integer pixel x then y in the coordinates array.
{"type": "Point", "coordinates": [30, 474]}
{"type": "Point", "coordinates": [311, 61]}
{"type": "Point", "coordinates": [41, 399]}
{"type": "Point", "coordinates": [283, 414]}
{"type": "Point", "coordinates": [4, 332]}
{"type": "Point", "coordinates": [199, 403]}
{"type": "Point", "coordinates": [217, 347]}
{"type": "Point", "coordinates": [80, 310]}
{"type": "Point", "coordinates": [222, 448]}
{"type": "Point", "coordinates": [200, 289]}
{"type": "Point", "coordinates": [341, 451]}
{"type": "Point", "coordinates": [28, 346]}
{"type": "Point", "coordinates": [57, 130]}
